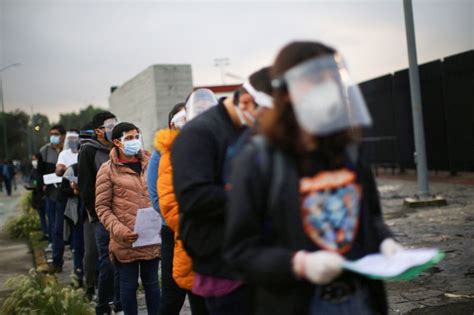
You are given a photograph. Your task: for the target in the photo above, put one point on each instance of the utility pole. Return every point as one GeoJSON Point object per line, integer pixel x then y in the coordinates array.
{"type": "Point", "coordinates": [424, 198]}
{"type": "Point", "coordinates": [222, 63]}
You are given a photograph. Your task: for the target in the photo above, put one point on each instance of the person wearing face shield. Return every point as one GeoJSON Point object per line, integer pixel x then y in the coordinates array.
{"type": "Point", "coordinates": [198, 156]}
{"type": "Point", "coordinates": [68, 155]}
{"type": "Point", "coordinates": [95, 151]}
{"type": "Point", "coordinates": [120, 191]}
{"type": "Point", "coordinates": [181, 262]}
{"type": "Point", "coordinates": [66, 158]}
{"type": "Point", "coordinates": [47, 159]}
{"type": "Point", "coordinates": [301, 200]}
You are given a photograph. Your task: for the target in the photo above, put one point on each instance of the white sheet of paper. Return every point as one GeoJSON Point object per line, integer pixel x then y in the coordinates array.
{"type": "Point", "coordinates": [52, 178]}
{"type": "Point", "coordinates": [380, 265]}
{"type": "Point", "coordinates": [147, 226]}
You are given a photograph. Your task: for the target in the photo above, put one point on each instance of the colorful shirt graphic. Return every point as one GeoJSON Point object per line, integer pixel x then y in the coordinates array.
{"type": "Point", "coordinates": [330, 203]}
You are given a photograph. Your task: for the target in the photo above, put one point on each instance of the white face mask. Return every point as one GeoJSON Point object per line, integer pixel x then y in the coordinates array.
{"type": "Point", "coordinates": [34, 163]}
{"type": "Point", "coordinates": [245, 118]}
{"type": "Point", "coordinates": [320, 106]}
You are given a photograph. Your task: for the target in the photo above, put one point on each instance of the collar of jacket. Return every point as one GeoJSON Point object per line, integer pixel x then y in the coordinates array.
{"type": "Point", "coordinates": [143, 156]}
{"type": "Point", "coordinates": [164, 139]}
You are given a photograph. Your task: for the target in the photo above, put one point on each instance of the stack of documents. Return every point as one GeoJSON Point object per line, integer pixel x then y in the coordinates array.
{"type": "Point", "coordinates": [404, 265]}
{"type": "Point", "coordinates": [147, 226]}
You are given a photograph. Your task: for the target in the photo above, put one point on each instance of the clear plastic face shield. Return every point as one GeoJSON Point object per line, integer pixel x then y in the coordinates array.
{"type": "Point", "coordinates": [71, 141]}
{"type": "Point", "coordinates": [179, 120]}
{"type": "Point", "coordinates": [199, 101]}
{"type": "Point", "coordinates": [324, 96]}
{"type": "Point", "coordinates": [109, 125]}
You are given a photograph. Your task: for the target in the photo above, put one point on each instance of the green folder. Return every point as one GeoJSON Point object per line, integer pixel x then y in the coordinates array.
{"type": "Point", "coordinates": [401, 267]}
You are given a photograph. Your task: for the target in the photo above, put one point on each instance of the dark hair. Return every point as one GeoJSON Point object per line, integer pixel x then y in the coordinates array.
{"type": "Point", "coordinates": [281, 128]}
{"type": "Point", "coordinates": [121, 128]}
{"type": "Point", "coordinates": [176, 109]}
{"type": "Point", "coordinates": [74, 130]}
{"type": "Point", "coordinates": [59, 128]}
{"type": "Point", "coordinates": [237, 93]}
{"type": "Point", "coordinates": [99, 118]}
{"type": "Point", "coordinates": [261, 80]}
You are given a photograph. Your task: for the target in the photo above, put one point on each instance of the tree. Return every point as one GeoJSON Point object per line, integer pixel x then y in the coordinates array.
{"type": "Point", "coordinates": [78, 120]}
{"type": "Point", "coordinates": [18, 136]}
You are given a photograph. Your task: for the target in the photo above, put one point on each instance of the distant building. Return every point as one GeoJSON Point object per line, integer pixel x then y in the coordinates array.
{"type": "Point", "coordinates": [147, 98]}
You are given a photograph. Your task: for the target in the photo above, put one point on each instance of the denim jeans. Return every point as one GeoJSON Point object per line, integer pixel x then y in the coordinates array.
{"type": "Point", "coordinates": [148, 270]}
{"type": "Point", "coordinates": [50, 208]}
{"type": "Point", "coordinates": [44, 224]}
{"type": "Point", "coordinates": [58, 235]}
{"type": "Point", "coordinates": [357, 303]}
{"type": "Point", "coordinates": [238, 302]}
{"type": "Point", "coordinates": [108, 283]}
{"type": "Point", "coordinates": [77, 244]}
{"type": "Point", "coordinates": [91, 259]}
{"type": "Point", "coordinates": [172, 296]}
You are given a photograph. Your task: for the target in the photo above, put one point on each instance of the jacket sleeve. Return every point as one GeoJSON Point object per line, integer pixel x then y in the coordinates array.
{"type": "Point", "coordinates": [195, 174]}
{"type": "Point", "coordinates": [41, 169]}
{"type": "Point", "coordinates": [373, 203]}
{"type": "Point", "coordinates": [246, 246]}
{"type": "Point", "coordinates": [86, 180]}
{"type": "Point", "coordinates": [152, 178]}
{"type": "Point", "coordinates": [103, 204]}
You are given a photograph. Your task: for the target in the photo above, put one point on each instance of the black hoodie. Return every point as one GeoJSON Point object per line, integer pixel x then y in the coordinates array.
{"type": "Point", "coordinates": [91, 156]}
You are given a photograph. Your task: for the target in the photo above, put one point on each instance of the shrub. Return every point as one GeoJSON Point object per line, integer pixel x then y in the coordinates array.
{"type": "Point", "coordinates": [19, 227]}
{"type": "Point", "coordinates": [40, 294]}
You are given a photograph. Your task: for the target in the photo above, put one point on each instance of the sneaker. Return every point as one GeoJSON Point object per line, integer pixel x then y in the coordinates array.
{"type": "Point", "coordinates": [49, 248]}
{"type": "Point", "coordinates": [55, 269]}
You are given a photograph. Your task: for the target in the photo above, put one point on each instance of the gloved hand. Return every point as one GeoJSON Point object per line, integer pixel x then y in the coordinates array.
{"type": "Point", "coordinates": [390, 247]}
{"type": "Point", "coordinates": [320, 267]}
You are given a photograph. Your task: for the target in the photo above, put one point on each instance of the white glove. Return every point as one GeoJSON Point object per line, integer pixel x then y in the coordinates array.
{"type": "Point", "coordinates": [390, 247]}
{"type": "Point", "coordinates": [320, 267]}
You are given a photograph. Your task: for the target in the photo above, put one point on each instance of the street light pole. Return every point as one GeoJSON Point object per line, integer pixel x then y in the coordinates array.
{"type": "Point", "coordinates": [4, 119]}
{"type": "Point", "coordinates": [421, 164]}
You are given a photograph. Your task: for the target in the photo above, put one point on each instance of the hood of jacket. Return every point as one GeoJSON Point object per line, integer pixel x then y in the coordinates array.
{"type": "Point", "coordinates": [164, 139]}
{"type": "Point", "coordinates": [96, 144]}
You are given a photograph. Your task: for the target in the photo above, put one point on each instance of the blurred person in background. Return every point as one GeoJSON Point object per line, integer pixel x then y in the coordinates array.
{"type": "Point", "coordinates": [8, 175]}
{"type": "Point", "coordinates": [37, 201]}
{"type": "Point", "coordinates": [47, 159]}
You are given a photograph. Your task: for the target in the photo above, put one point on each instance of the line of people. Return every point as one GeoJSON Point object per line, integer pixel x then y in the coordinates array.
{"type": "Point", "coordinates": [262, 195]}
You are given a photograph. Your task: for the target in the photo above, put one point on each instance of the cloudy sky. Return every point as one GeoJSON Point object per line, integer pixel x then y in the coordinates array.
{"type": "Point", "coordinates": [73, 51]}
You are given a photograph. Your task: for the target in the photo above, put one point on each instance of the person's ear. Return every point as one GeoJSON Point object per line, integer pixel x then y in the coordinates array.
{"type": "Point", "coordinates": [117, 143]}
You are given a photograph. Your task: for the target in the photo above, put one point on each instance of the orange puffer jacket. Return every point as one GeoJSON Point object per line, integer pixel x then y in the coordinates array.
{"type": "Point", "coordinates": [182, 264]}
{"type": "Point", "coordinates": [120, 192]}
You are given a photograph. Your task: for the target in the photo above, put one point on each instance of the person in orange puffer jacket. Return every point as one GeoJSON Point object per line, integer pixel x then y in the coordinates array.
{"type": "Point", "coordinates": [182, 263]}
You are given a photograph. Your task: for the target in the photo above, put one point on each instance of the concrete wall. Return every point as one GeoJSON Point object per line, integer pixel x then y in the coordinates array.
{"type": "Point", "coordinates": [146, 99]}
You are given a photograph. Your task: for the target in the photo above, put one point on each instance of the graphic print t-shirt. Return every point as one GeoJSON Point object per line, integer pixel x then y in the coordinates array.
{"type": "Point", "coordinates": [330, 208]}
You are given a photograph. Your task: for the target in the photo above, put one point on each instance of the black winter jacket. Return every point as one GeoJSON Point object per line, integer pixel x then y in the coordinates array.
{"type": "Point", "coordinates": [260, 242]}
{"type": "Point", "coordinates": [198, 157]}
{"type": "Point", "coordinates": [91, 156]}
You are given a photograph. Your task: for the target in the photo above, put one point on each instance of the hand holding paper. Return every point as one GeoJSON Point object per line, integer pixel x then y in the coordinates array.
{"type": "Point", "coordinates": [147, 226]}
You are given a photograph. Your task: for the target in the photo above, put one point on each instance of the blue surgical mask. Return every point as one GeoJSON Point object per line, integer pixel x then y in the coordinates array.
{"type": "Point", "coordinates": [132, 147]}
{"type": "Point", "coordinates": [108, 136]}
{"type": "Point", "coordinates": [55, 139]}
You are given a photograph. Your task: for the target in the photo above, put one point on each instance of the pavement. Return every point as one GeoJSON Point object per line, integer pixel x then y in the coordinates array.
{"type": "Point", "coordinates": [448, 287]}
{"type": "Point", "coordinates": [15, 257]}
